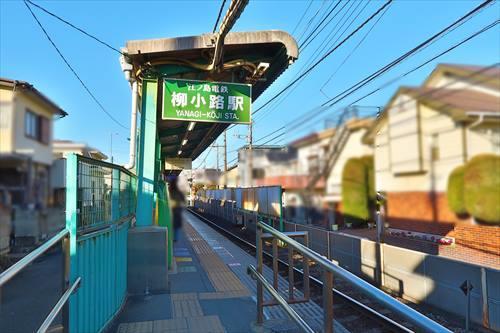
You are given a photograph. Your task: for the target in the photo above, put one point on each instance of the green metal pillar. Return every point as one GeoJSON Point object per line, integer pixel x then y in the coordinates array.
{"type": "Point", "coordinates": [146, 159]}
{"type": "Point", "coordinates": [71, 225]}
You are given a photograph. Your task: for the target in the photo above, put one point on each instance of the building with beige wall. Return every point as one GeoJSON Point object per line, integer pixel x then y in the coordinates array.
{"type": "Point", "coordinates": [61, 149]}
{"type": "Point", "coordinates": [26, 137]}
{"type": "Point", "coordinates": [424, 133]}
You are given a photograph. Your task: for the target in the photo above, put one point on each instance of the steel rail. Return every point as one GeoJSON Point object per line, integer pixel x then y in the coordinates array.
{"type": "Point", "coordinates": [318, 282]}
{"type": "Point", "coordinates": [30, 257]}
{"type": "Point", "coordinates": [57, 308]}
{"type": "Point", "coordinates": [288, 309]}
{"type": "Point", "coordinates": [413, 316]}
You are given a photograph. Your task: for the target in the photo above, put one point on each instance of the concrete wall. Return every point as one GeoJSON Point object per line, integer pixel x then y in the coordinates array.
{"type": "Point", "coordinates": [416, 276]}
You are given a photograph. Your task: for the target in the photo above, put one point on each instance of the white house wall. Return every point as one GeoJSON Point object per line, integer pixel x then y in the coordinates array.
{"type": "Point", "coordinates": [354, 147]}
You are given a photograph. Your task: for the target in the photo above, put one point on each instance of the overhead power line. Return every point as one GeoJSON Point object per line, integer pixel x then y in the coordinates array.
{"type": "Point", "coordinates": [388, 83]}
{"type": "Point", "coordinates": [417, 48]}
{"type": "Point", "coordinates": [311, 35]}
{"type": "Point", "coordinates": [74, 27]}
{"type": "Point", "coordinates": [349, 91]}
{"type": "Point", "coordinates": [219, 15]}
{"type": "Point", "coordinates": [72, 69]}
{"type": "Point", "coordinates": [326, 55]}
{"type": "Point", "coordinates": [325, 44]}
{"type": "Point", "coordinates": [302, 17]}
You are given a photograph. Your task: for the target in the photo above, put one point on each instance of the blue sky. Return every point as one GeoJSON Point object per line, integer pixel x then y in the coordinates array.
{"type": "Point", "coordinates": [26, 54]}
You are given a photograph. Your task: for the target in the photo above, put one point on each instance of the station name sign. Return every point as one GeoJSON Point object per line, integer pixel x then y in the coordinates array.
{"type": "Point", "coordinates": [217, 102]}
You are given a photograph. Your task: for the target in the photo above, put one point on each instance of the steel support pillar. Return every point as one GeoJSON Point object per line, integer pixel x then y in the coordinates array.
{"type": "Point", "coordinates": [146, 158]}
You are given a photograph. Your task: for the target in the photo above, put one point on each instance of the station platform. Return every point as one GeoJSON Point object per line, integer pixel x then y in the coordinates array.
{"type": "Point", "coordinates": [210, 291]}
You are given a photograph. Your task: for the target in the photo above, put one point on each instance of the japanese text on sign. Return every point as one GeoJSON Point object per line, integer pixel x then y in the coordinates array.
{"type": "Point", "coordinates": [206, 101]}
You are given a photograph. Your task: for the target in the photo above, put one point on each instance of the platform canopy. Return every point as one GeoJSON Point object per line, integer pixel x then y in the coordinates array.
{"type": "Point", "coordinates": [256, 58]}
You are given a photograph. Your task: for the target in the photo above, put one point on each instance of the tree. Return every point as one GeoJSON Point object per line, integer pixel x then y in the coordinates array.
{"type": "Point", "coordinates": [455, 191]}
{"type": "Point", "coordinates": [482, 188]}
{"type": "Point", "coordinates": [355, 192]}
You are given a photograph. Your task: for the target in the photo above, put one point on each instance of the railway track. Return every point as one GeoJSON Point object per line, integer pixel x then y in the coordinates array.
{"type": "Point", "coordinates": [351, 308]}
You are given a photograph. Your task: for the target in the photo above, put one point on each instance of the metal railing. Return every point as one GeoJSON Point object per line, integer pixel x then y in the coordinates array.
{"type": "Point", "coordinates": [288, 309]}
{"type": "Point", "coordinates": [15, 269]}
{"type": "Point", "coordinates": [328, 270]}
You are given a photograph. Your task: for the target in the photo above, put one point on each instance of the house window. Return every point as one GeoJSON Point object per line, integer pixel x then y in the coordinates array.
{"type": "Point", "coordinates": [36, 127]}
{"type": "Point", "coordinates": [258, 173]}
{"type": "Point", "coordinates": [313, 164]}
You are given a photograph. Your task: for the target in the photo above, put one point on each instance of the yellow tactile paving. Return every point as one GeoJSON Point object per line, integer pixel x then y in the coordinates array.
{"type": "Point", "coordinates": [225, 294]}
{"type": "Point", "coordinates": [186, 308]}
{"type": "Point", "coordinates": [221, 276]}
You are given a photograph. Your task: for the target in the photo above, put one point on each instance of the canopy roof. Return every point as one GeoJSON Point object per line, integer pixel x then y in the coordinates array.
{"type": "Point", "coordinates": [189, 57]}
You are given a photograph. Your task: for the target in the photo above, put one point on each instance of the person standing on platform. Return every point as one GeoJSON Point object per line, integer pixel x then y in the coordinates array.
{"type": "Point", "coordinates": [177, 202]}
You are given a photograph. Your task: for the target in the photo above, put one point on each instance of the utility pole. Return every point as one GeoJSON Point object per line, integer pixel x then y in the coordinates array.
{"type": "Point", "coordinates": [111, 147]}
{"type": "Point", "coordinates": [250, 160]}
{"type": "Point", "coordinates": [225, 159]}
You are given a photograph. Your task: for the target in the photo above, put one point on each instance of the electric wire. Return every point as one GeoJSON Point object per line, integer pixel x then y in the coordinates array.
{"type": "Point", "coordinates": [302, 17]}
{"type": "Point", "coordinates": [325, 56]}
{"type": "Point", "coordinates": [72, 69]}
{"type": "Point", "coordinates": [74, 26]}
{"type": "Point", "coordinates": [219, 15]}
{"type": "Point", "coordinates": [307, 117]}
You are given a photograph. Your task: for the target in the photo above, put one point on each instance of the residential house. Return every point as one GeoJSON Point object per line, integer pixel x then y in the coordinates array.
{"type": "Point", "coordinates": [61, 149]}
{"type": "Point", "coordinates": [422, 135]}
{"type": "Point", "coordinates": [263, 159]}
{"type": "Point", "coordinates": [26, 132]}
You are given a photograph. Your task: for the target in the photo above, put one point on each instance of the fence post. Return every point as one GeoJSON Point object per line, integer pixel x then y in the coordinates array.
{"type": "Point", "coordinates": [72, 212]}
{"type": "Point", "coordinates": [115, 195]}
{"type": "Point", "coordinates": [260, 291]}
{"type": "Point", "coordinates": [484, 298]}
{"type": "Point", "coordinates": [328, 301]}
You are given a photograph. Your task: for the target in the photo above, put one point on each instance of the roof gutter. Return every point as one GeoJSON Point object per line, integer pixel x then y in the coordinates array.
{"type": "Point", "coordinates": [481, 115]}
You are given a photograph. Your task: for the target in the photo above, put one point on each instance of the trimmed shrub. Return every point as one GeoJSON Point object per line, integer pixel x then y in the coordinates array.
{"type": "Point", "coordinates": [455, 191]}
{"type": "Point", "coordinates": [355, 191]}
{"type": "Point", "coordinates": [370, 175]}
{"type": "Point", "coordinates": [482, 188]}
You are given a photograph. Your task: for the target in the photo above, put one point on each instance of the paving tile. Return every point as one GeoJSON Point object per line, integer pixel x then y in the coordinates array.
{"type": "Point", "coordinates": [169, 325]}
{"type": "Point", "coordinates": [187, 269]}
{"type": "Point", "coordinates": [206, 324]}
{"type": "Point", "coordinates": [137, 327]}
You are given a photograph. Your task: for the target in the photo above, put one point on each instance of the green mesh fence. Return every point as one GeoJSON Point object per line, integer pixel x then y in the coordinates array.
{"type": "Point", "coordinates": [106, 193]}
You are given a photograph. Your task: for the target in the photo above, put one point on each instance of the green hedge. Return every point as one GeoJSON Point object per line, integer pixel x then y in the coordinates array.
{"type": "Point", "coordinates": [455, 191]}
{"type": "Point", "coordinates": [355, 201]}
{"type": "Point", "coordinates": [482, 188]}
{"type": "Point", "coordinates": [370, 175]}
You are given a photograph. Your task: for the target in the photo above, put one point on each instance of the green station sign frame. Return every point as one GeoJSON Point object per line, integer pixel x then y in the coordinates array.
{"type": "Point", "coordinates": [204, 101]}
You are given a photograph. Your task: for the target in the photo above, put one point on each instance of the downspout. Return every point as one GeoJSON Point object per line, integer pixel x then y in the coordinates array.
{"type": "Point", "coordinates": [127, 68]}
{"type": "Point", "coordinates": [133, 127]}
{"type": "Point", "coordinates": [479, 120]}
